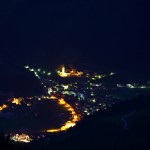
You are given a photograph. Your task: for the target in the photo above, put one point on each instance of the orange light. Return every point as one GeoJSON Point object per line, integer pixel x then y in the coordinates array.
{"type": "Point", "coordinates": [53, 130]}
{"type": "Point", "coordinates": [69, 123]}
{"type": "Point", "coordinates": [73, 72]}
{"type": "Point", "coordinates": [16, 101]}
{"type": "Point", "coordinates": [3, 107]}
{"type": "Point", "coordinates": [53, 97]}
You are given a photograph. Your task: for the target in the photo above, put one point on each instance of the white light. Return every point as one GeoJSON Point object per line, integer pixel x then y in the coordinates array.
{"type": "Point", "coordinates": [112, 73]}
{"type": "Point", "coordinates": [26, 67]}
{"type": "Point", "coordinates": [130, 86]}
{"type": "Point", "coordinates": [31, 69]}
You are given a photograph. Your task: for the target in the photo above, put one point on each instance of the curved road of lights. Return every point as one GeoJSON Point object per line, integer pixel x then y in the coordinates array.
{"type": "Point", "coordinates": [60, 101]}
{"type": "Point", "coordinates": [69, 123]}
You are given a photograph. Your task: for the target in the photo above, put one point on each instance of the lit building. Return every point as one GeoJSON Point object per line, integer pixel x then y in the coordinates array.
{"type": "Point", "coordinates": [21, 138]}
{"type": "Point", "coordinates": [73, 72]}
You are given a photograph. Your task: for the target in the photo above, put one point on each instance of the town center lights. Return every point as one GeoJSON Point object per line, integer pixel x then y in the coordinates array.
{"type": "Point", "coordinates": [69, 73]}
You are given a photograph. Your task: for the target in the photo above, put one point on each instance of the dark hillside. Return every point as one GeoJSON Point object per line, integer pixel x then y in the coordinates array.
{"type": "Point", "coordinates": [16, 81]}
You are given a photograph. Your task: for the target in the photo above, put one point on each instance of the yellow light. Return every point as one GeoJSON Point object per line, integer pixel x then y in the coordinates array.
{"type": "Point", "coordinates": [21, 138]}
{"type": "Point", "coordinates": [65, 87]}
{"type": "Point", "coordinates": [63, 70]}
{"type": "Point", "coordinates": [69, 123]}
{"type": "Point", "coordinates": [61, 102]}
{"type": "Point", "coordinates": [16, 101]}
{"type": "Point", "coordinates": [63, 73]}
{"type": "Point", "coordinates": [3, 107]}
{"type": "Point", "coordinates": [73, 72]}
{"type": "Point", "coordinates": [70, 109]}
{"type": "Point", "coordinates": [53, 97]}
{"type": "Point", "coordinates": [53, 130]}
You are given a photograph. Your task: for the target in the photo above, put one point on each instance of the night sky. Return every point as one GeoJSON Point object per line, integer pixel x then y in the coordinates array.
{"type": "Point", "coordinates": [106, 33]}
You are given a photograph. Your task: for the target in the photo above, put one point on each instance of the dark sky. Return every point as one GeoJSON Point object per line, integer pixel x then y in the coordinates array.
{"type": "Point", "coordinates": [108, 33]}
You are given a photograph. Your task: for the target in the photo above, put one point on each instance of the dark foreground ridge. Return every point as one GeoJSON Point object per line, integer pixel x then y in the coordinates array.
{"type": "Point", "coordinates": [104, 130]}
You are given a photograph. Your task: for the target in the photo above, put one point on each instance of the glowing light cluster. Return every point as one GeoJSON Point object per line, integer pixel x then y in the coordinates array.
{"type": "Point", "coordinates": [3, 107]}
{"type": "Point", "coordinates": [38, 72]}
{"type": "Point", "coordinates": [21, 138]}
{"type": "Point", "coordinates": [87, 92]}
{"type": "Point", "coordinates": [70, 73]}
{"type": "Point", "coordinates": [16, 101]}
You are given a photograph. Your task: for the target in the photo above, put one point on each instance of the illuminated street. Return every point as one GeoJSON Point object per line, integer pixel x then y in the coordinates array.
{"type": "Point", "coordinates": [74, 75]}
{"type": "Point", "coordinates": [77, 93]}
